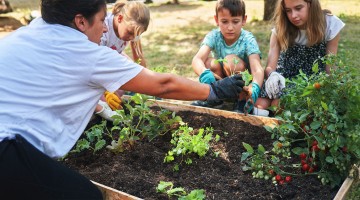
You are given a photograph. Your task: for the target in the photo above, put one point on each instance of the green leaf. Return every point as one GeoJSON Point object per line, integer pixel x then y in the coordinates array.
{"type": "Point", "coordinates": [329, 159]}
{"type": "Point", "coordinates": [244, 156]}
{"type": "Point", "coordinates": [315, 67]}
{"type": "Point", "coordinates": [246, 76]}
{"type": "Point", "coordinates": [315, 125]}
{"type": "Point", "coordinates": [99, 145]}
{"type": "Point", "coordinates": [178, 191]}
{"type": "Point", "coordinates": [331, 127]}
{"type": "Point", "coordinates": [324, 105]}
{"type": "Point", "coordinates": [299, 150]}
{"type": "Point", "coordinates": [163, 185]}
{"type": "Point", "coordinates": [248, 148]}
{"type": "Point", "coordinates": [261, 149]}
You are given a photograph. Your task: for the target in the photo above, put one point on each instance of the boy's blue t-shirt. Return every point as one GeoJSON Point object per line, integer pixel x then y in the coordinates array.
{"type": "Point", "coordinates": [243, 47]}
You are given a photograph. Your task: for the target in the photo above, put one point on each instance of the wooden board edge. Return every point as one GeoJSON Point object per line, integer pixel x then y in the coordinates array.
{"type": "Point", "coordinates": [345, 187]}
{"type": "Point", "coordinates": [252, 119]}
{"type": "Point", "coordinates": [113, 194]}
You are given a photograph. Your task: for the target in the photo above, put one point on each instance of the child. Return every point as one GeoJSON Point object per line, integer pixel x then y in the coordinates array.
{"type": "Point", "coordinates": [125, 17]}
{"type": "Point", "coordinates": [303, 33]}
{"type": "Point", "coordinates": [233, 50]}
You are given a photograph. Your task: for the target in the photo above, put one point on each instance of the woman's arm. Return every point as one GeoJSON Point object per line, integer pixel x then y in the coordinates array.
{"type": "Point", "coordinates": [273, 56]}
{"type": "Point", "coordinates": [167, 85]}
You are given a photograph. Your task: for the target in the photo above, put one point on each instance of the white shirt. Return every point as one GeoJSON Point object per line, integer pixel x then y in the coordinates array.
{"type": "Point", "coordinates": [110, 39]}
{"type": "Point", "coordinates": [52, 77]}
{"type": "Point", "coordinates": [333, 27]}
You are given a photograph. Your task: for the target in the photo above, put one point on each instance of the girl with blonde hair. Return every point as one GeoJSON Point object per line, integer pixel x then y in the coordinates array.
{"type": "Point", "coordinates": [125, 24]}
{"type": "Point", "coordinates": [303, 33]}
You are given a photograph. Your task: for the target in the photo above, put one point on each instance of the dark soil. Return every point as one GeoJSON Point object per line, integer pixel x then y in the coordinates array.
{"type": "Point", "coordinates": [139, 170]}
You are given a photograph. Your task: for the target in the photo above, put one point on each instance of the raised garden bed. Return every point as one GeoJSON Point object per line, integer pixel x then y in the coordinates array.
{"type": "Point", "coordinates": [137, 172]}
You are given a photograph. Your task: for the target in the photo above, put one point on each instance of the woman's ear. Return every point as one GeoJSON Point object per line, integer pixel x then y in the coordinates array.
{"type": "Point", "coordinates": [80, 22]}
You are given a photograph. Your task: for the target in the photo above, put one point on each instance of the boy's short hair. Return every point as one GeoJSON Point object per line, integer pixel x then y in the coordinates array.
{"type": "Point", "coordinates": [235, 7]}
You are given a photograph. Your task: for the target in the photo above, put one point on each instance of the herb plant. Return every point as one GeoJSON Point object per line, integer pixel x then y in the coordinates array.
{"type": "Point", "coordinates": [168, 188]}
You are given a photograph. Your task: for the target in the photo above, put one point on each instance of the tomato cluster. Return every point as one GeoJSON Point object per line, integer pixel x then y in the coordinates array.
{"type": "Point", "coordinates": [282, 180]}
{"type": "Point", "coordinates": [307, 164]}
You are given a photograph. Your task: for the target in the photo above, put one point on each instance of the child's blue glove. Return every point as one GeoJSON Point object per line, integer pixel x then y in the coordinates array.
{"type": "Point", "coordinates": [207, 77]}
{"type": "Point", "coordinates": [254, 91]}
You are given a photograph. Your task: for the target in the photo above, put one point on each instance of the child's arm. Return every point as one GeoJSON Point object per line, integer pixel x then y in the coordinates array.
{"type": "Point", "coordinates": [273, 56]}
{"type": "Point", "coordinates": [275, 82]}
{"type": "Point", "coordinates": [331, 48]}
{"type": "Point", "coordinates": [256, 70]}
{"type": "Point", "coordinates": [136, 57]}
{"type": "Point", "coordinates": [198, 62]}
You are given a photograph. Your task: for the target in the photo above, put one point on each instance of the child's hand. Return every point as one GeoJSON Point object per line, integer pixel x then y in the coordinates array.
{"type": "Point", "coordinates": [112, 100]}
{"type": "Point", "coordinates": [253, 92]}
{"type": "Point", "coordinates": [274, 85]}
{"type": "Point", "coordinates": [207, 77]}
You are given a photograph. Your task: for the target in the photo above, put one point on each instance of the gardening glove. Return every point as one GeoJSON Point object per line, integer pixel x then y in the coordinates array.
{"type": "Point", "coordinates": [227, 88]}
{"type": "Point", "coordinates": [112, 100]}
{"type": "Point", "coordinates": [274, 85]}
{"type": "Point", "coordinates": [106, 111]}
{"type": "Point", "coordinates": [207, 77]}
{"type": "Point", "coordinates": [253, 94]}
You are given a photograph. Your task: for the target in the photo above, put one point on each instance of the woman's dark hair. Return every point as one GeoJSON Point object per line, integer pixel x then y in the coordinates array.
{"type": "Point", "coordinates": [64, 11]}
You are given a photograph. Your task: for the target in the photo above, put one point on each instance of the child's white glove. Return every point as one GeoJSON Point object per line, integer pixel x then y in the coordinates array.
{"type": "Point", "coordinates": [274, 85]}
{"type": "Point", "coordinates": [106, 111]}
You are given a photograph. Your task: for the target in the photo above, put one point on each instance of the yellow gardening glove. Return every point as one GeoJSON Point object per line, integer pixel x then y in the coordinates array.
{"type": "Point", "coordinates": [112, 100]}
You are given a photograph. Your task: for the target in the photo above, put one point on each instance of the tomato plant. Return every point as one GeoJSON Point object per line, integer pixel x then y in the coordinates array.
{"type": "Point", "coordinates": [320, 120]}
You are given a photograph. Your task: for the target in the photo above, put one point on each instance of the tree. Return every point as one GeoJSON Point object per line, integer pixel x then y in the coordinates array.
{"type": "Point", "coordinates": [269, 7]}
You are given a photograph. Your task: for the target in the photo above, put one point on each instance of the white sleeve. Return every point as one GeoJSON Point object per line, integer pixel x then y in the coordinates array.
{"type": "Point", "coordinates": [333, 27]}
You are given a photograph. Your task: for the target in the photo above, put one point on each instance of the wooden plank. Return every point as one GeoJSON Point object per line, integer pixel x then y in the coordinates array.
{"type": "Point", "coordinates": [345, 187]}
{"type": "Point", "coordinates": [252, 119]}
{"type": "Point", "coordinates": [112, 194]}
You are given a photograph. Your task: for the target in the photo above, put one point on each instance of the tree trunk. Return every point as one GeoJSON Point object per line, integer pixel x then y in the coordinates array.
{"type": "Point", "coordinates": [269, 8]}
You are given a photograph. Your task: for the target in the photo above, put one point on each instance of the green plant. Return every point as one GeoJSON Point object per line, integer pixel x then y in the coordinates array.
{"type": "Point", "coordinates": [168, 188]}
{"type": "Point", "coordinates": [320, 124]}
{"type": "Point", "coordinates": [93, 138]}
{"type": "Point", "coordinates": [138, 121]}
{"type": "Point", "coordinates": [186, 142]}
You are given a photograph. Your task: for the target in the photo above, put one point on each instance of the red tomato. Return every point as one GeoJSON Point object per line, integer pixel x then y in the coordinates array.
{"type": "Point", "coordinates": [317, 85]}
{"type": "Point", "coordinates": [302, 156]}
{"type": "Point", "coordinates": [311, 170]}
{"type": "Point", "coordinates": [305, 167]}
{"type": "Point", "coordinates": [288, 178]}
{"type": "Point", "coordinates": [314, 143]}
{"type": "Point", "coordinates": [278, 178]}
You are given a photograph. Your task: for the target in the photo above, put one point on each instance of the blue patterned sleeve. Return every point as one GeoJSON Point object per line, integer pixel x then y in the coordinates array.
{"type": "Point", "coordinates": [252, 46]}
{"type": "Point", "coordinates": [209, 40]}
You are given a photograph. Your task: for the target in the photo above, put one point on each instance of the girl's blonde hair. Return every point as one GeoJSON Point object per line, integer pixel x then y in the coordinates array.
{"type": "Point", "coordinates": [136, 14]}
{"type": "Point", "coordinates": [287, 32]}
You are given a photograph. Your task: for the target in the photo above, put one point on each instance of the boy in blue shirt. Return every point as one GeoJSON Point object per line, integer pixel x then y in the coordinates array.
{"type": "Point", "coordinates": [229, 50]}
